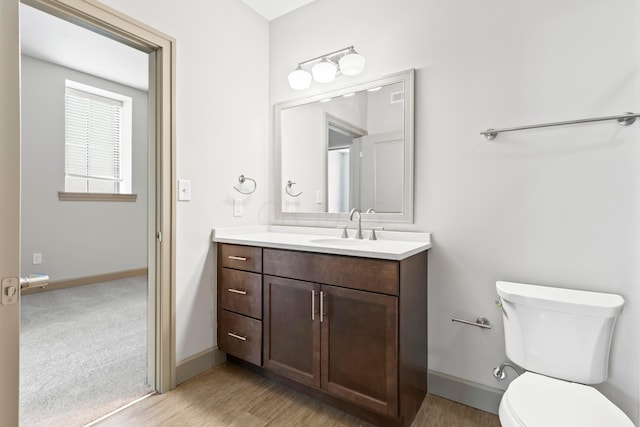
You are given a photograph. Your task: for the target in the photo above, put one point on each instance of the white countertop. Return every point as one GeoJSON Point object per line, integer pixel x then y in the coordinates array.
{"type": "Point", "coordinates": [393, 245]}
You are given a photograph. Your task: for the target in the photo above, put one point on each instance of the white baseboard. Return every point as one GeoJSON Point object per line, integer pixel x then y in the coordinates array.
{"type": "Point", "coordinates": [469, 393]}
{"type": "Point", "coordinates": [198, 363]}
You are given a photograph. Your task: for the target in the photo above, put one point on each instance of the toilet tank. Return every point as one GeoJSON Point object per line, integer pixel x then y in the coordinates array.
{"type": "Point", "coordinates": [562, 333]}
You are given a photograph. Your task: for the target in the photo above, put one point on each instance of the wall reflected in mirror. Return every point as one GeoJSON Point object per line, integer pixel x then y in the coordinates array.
{"type": "Point", "coordinates": [346, 152]}
{"type": "Point", "coordinates": [351, 148]}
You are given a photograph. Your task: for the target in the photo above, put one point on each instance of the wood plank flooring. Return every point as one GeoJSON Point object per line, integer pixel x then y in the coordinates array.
{"type": "Point", "coordinates": [228, 395]}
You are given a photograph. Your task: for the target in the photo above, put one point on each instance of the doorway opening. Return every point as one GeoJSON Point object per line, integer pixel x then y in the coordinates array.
{"type": "Point", "coordinates": [82, 260]}
{"type": "Point", "coordinates": [343, 151]}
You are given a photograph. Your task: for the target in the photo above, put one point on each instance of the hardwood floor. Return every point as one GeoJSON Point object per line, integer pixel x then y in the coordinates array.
{"type": "Point", "coordinates": [231, 396]}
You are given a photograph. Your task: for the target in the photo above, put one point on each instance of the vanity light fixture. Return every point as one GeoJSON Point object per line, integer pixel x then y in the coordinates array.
{"type": "Point", "coordinates": [324, 71]}
{"type": "Point", "coordinates": [327, 67]}
{"type": "Point", "coordinates": [352, 63]}
{"type": "Point", "coordinates": [299, 79]}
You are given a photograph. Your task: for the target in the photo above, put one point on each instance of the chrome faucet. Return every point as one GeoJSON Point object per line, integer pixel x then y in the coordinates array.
{"type": "Point", "coordinates": [359, 230]}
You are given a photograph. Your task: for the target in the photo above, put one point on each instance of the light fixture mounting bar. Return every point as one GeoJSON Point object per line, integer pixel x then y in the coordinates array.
{"type": "Point", "coordinates": [326, 55]}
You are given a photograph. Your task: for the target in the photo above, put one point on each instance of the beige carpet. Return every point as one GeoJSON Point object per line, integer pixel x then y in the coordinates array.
{"type": "Point", "coordinates": [83, 352]}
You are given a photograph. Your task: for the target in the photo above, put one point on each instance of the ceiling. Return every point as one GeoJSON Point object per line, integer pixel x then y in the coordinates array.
{"type": "Point", "coordinates": [52, 39]}
{"type": "Point", "coordinates": [272, 9]}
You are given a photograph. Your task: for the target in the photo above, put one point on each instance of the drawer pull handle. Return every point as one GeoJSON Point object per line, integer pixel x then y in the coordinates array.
{"type": "Point", "coordinates": [313, 305]}
{"type": "Point", "coordinates": [236, 291]}
{"type": "Point", "coordinates": [322, 295]}
{"type": "Point", "coordinates": [237, 258]}
{"type": "Point", "coordinates": [238, 337]}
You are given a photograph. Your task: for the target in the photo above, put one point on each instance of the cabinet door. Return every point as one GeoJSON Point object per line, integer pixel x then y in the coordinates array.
{"type": "Point", "coordinates": [292, 329]}
{"type": "Point", "coordinates": [360, 348]}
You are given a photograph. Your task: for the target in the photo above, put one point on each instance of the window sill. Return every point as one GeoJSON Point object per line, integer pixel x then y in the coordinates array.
{"type": "Point", "coordinates": [64, 196]}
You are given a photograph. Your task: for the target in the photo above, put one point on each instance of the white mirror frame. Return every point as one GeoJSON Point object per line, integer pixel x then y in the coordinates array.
{"type": "Point", "coordinates": [328, 219]}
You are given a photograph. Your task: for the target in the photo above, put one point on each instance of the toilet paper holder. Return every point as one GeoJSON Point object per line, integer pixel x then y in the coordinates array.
{"type": "Point", "coordinates": [481, 322]}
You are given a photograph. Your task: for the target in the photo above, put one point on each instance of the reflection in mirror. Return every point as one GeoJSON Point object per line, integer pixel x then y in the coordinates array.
{"type": "Point", "coordinates": [348, 149]}
{"type": "Point", "coordinates": [343, 163]}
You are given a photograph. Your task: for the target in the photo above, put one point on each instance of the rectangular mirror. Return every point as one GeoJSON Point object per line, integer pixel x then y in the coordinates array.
{"type": "Point", "coordinates": [349, 148]}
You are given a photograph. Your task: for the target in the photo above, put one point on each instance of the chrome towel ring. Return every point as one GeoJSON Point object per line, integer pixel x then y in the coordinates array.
{"type": "Point", "coordinates": [241, 180]}
{"type": "Point", "coordinates": [287, 188]}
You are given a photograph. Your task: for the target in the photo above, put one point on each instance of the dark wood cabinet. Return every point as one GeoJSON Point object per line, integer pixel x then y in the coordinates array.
{"type": "Point", "coordinates": [240, 299]}
{"type": "Point", "coordinates": [240, 336]}
{"type": "Point", "coordinates": [291, 329]}
{"type": "Point", "coordinates": [351, 331]}
{"type": "Point", "coordinates": [241, 292]}
{"type": "Point", "coordinates": [360, 348]}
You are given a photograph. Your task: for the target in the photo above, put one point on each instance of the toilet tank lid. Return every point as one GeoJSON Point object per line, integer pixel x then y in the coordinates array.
{"type": "Point", "coordinates": [560, 299]}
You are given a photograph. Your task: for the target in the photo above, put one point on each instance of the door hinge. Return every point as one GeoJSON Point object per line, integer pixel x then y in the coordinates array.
{"type": "Point", "coordinates": [159, 236]}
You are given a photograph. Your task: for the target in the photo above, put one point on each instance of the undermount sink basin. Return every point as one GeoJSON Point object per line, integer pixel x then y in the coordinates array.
{"type": "Point", "coordinates": [343, 242]}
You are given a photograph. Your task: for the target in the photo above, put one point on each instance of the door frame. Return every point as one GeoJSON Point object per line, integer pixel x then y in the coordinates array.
{"type": "Point", "coordinates": [161, 48]}
{"type": "Point", "coordinates": [9, 208]}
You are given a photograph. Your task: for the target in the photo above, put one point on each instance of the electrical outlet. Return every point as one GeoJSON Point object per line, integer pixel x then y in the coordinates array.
{"type": "Point", "coordinates": [36, 259]}
{"type": "Point", "coordinates": [238, 208]}
{"type": "Point", "coordinates": [319, 197]}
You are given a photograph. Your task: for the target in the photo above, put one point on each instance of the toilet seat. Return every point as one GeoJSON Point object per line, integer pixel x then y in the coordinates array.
{"type": "Point", "coordinates": [533, 400]}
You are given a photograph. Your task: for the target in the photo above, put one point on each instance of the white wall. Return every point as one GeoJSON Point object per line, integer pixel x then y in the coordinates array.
{"type": "Point", "coordinates": [302, 135]}
{"type": "Point", "coordinates": [304, 147]}
{"type": "Point", "coordinates": [382, 115]}
{"type": "Point", "coordinates": [76, 239]}
{"type": "Point", "coordinates": [554, 206]}
{"type": "Point", "coordinates": [222, 132]}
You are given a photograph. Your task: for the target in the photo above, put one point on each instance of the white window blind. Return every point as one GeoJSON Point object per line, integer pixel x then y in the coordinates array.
{"type": "Point", "coordinates": [93, 143]}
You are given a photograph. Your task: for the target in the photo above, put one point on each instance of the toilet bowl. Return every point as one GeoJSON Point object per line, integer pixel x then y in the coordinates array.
{"type": "Point", "coordinates": [562, 338]}
{"type": "Point", "coordinates": [536, 400]}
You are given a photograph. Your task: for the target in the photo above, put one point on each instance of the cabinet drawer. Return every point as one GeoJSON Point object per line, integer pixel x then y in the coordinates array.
{"type": "Point", "coordinates": [246, 258]}
{"type": "Point", "coordinates": [367, 274]}
{"type": "Point", "coordinates": [241, 292]}
{"type": "Point", "coordinates": [240, 336]}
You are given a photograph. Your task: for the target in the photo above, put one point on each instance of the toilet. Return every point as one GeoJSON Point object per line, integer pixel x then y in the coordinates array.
{"type": "Point", "coordinates": [561, 337]}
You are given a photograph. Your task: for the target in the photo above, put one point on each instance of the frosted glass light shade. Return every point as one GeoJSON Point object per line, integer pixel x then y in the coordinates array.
{"type": "Point", "coordinates": [351, 64]}
{"type": "Point", "coordinates": [299, 79]}
{"type": "Point", "coordinates": [324, 71]}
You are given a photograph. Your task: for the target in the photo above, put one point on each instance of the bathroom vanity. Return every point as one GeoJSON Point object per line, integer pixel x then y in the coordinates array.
{"type": "Point", "coordinates": [343, 320]}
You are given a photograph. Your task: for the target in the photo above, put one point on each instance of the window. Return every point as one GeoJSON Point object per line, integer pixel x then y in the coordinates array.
{"type": "Point", "coordinates": [97, 140]}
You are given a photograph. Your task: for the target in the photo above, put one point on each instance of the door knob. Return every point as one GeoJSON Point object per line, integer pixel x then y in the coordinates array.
{"type": "Point", "coordinates": [34, 281]}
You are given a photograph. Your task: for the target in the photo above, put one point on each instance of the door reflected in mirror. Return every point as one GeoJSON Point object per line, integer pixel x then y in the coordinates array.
{"type": "Point", "coordinates": [348, 149]}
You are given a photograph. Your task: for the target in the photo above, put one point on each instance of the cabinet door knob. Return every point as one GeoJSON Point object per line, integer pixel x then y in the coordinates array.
{"type": "Point", "coordinates": [238, 337]}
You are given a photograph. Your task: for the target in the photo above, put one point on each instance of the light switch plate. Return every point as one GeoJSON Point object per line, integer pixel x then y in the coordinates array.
{"type": "Point", "coordinates": [184, 190]}
{"type": "Point", "coordinates": [319, 197]}
{"type": "Point", "coordinates": [10, 290]}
